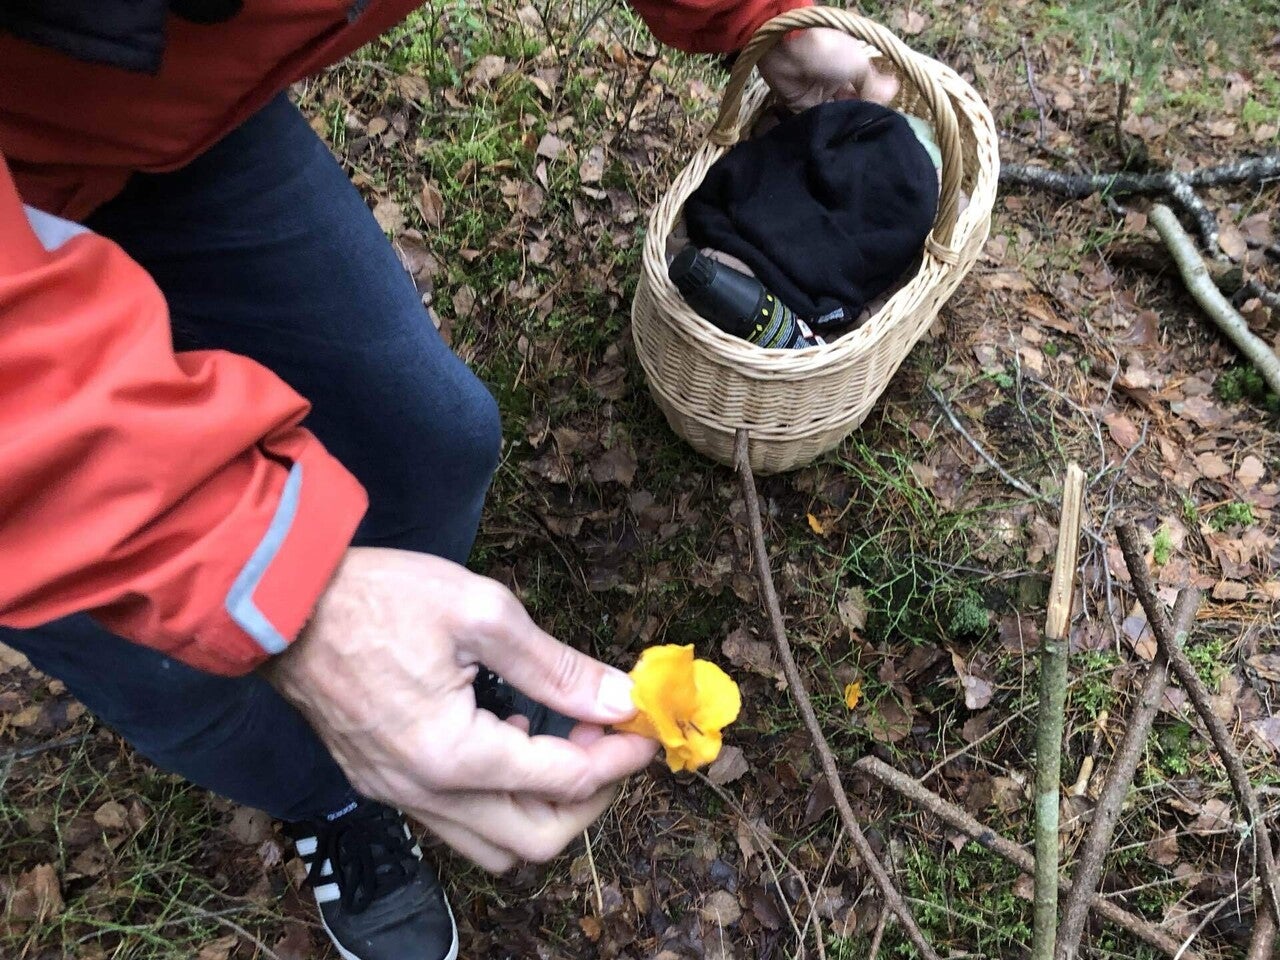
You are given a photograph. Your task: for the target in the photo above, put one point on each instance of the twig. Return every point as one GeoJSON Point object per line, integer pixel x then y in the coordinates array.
{"type": "Point", "coordinates": [1193, 686]}
{"type": "Point", "coordinates": [769, 842]}
{"type": "Point", "coordinates": [1106, 814]}
{"type": "Point", "coordinates": [196, 914]}
{"type": "Point", "coordinates": [812, 918]}
{"type": "Point", "coordinates": [1206, 293]}
{"type": "Point", "coordinates": [595, 876]}
{"type": "Point", "coordinates": [1006, 849]}
{"type": "Point", "coordinates": [1081, 786]}
{"type": "Point", "coordinates": [892, 898]}
{"type": "Point", "coordinates": [1019, 485]}
{"type": "Point", "coordinates": [876, 937]}
{"type": "Point", "coordinates": [1264, 937]}
{"type": "Point", "coordinates": [937, 767]}
{"type": "Point", "coordinates": [588, 22]}
{"type": "Point", "coordinates": [1051, 719]}
{"type": "Point", "coordinates": [1208, 918]}
{"type": "Point", "coordinates": [635, 97]}
{"type": "Point", "coordinates": [215, 915]}
{"type": "Point", "coordinates": [20, 753]}
{"type": "Point", "coordinates": [1122, 107]}
{"type": "Point", "coordinates": [1036, 96]}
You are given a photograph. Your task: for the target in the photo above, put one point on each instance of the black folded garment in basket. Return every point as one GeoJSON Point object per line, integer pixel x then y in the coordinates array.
{"type": "Point", "coordinates": [828, 209]}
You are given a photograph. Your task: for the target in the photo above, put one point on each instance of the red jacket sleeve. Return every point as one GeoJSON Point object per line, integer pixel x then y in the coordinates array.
{"type": "Point", "coordinates": [710, 26]}
{"type": "Point", "coordinates": [172, 496]}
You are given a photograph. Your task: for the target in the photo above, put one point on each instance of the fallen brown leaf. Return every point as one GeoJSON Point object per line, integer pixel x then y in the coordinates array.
{"type": "Point", "coordinates": [219, 949]}
{"type": "Point", "coordinates": [617, 465]}
{"type": "Point", "coordinates": [728, 767]}
{"type": "Point", "coordinates": [431, 204]}
{"type": "Point", "coordinates": [249, 826]}
{"type": "Point", "coordinates": [111, 816]}
{"type": "Point", "coordinates": [721, 908]}
{"type": "Point", "coordinates": [37, 895]}
{"type": "Point", "coordinates": [1212, 466]}
{"type": "Point", "coordinates": [1122, 430]}
{"type": "Point", "coordinates": [591, 170]}
{"type": "Point", "coordinates": [1164, 848]}
{"type": "Point", "coordinates": [389, 216]}
{"type": "Point", "coordinates": [852, 609]}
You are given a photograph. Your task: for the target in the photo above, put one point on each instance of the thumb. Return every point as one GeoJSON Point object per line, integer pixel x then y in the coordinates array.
{"type": "Point", "coordinates": [879, 87]}
{"type": "Point", "coordinates": [549, 671]}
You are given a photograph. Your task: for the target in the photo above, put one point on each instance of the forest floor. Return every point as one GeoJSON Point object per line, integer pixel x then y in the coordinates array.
{"type": "Point", "coordinates": [514, 156]}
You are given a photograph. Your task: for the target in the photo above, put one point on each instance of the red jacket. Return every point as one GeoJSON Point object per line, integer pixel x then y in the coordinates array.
{"type": "Point", "coordinates": [173, 496]}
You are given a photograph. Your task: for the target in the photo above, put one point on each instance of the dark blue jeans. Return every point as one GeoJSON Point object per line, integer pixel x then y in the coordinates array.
{"type": "Point", "coordinates": [264, 248]}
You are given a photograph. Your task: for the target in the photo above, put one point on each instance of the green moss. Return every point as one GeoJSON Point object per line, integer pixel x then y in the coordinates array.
{"type": "Point", "coordinates": [1162, 546]}
{"type": "Point", "coordinates": [1093, 692]}
{"type": "Point", "coordinates": [1230, 515]}
{"type": "Point", "coordinates": [1244, 383]}
{"type": "Point", "coordinates": [969, 615]}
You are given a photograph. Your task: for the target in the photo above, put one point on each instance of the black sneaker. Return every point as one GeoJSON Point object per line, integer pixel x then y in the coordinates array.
{"type": "Point", "coordinates": [503, 700]}
{"type": "Point", "coordinates": [379, 900]}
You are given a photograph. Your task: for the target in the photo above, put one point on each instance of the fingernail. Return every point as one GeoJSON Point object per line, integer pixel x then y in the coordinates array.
{"type": "Point", "coordinates": [614, 695]}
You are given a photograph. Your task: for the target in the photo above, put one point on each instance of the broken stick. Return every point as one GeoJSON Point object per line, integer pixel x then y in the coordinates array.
{"type": "Point", "coordinates": [1006, 849]}
{"type": "Point", "coordinates": [1264, 938]}
{"type": "Point", "coordinates": [1053, 700]}
{"type": "Point", "coordinates": [892, 898]}
{"type": "Point", "coordinates": [1178, 187]}
{"type": "Point", "coordinates": [1088, 871]}
{"type": "Point", "coordinates": [1263, 857]}
{"type": "Point", "coordinates": [1206, 293]}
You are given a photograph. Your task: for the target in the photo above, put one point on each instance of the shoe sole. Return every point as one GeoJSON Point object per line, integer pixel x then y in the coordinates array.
{"type": "Point", "coordinates": [348, 955]}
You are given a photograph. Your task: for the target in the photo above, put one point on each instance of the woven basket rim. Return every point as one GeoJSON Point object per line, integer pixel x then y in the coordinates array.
{"type": "Point", "coordinates": [756, 362]}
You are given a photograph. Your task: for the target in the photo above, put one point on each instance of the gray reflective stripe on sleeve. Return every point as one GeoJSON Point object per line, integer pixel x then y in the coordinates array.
{"type": "Point", "coordinates": [51, 231]}
{"type": "Point", "coordinates": [240, 605]}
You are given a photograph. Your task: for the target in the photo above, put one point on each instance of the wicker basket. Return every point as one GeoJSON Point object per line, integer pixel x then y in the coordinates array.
{"type": "Point", "coordinates": [799, 404]}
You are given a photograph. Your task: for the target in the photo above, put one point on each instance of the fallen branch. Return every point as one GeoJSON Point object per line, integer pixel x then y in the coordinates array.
{"type": "Point", "coordinates": [1252, 289]}
{"type": "Point", "coordinates": [1053, 701]}
{"type": "Point", "coordinates": [1193, 686]}
{"type": "Point", "coordinates": [1106, 814]}
{"type": "Point", "coordinates": [1264, 937]}
{"type": "Point", "coordinates": [1078, 186]}
{"type": "Point", "coordinates": [892, 898]}
{"type": "Point", "coordinates": [1178, 187]}
{"type": "Point", "coordinates": [1006, 849]}
{"type": "Point", "coordinates": [1201, 286]}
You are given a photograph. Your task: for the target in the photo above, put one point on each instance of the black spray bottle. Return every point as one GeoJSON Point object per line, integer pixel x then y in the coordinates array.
{"type": "Point", "coordinates": [736, 303]}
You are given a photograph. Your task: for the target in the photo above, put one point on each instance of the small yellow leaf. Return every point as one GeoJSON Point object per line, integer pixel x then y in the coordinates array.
{"type": "Point", "coordinates": [816, 525]}
{"type": "Point", "coordinates": [852, 694]}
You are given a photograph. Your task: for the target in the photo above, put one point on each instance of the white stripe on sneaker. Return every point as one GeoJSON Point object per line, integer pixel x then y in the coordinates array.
{"type": "Point", "coordinates": [327, 893]}
{"type": "Point", "coordinates": [326, 869]}
{"type": "Point", "coordinates": [306, 846]}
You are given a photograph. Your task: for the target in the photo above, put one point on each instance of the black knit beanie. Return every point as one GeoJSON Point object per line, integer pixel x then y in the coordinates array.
{"type": "Point", "coordinates": [829, 208]}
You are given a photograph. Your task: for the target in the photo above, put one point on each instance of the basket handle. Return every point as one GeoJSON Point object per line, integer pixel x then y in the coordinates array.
{"type": "Point", "coordinates": [727, 127]}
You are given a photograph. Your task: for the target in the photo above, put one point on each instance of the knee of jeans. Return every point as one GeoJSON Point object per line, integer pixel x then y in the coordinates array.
{"type": "Point", "coordinates": [476, 438]}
